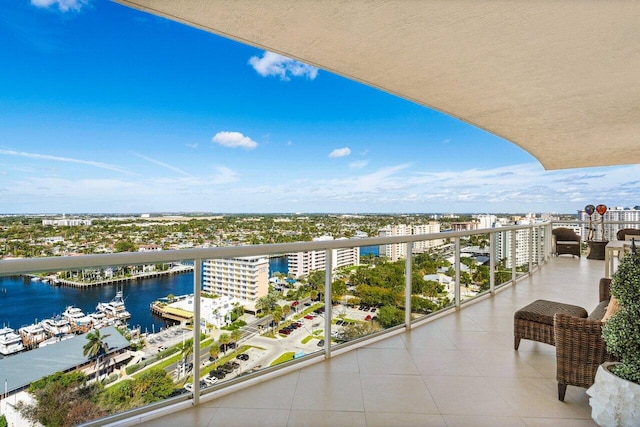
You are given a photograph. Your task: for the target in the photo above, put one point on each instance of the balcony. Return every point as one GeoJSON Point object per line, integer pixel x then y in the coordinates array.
{"type": "Point", "coordinates": [458, 369]}
{"type": "Point", "coordinates": [456, 366]}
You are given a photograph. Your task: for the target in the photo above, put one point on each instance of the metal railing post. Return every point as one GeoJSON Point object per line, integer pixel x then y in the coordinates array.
{"type": "Point", "coordinates": [530, 250]}
{"type": "Point", "coordinates": [328, 307]}
{"type": "Point", "coordinates": [514, 263]}
{"type": "Point", "coordinates": [407, 286]}
{"type": "Point", "coordinates": [457, 267]}
{"type": "Point", "coordinates": [492, 263]}
{"type": "Point", "coordinates": [197, 280]}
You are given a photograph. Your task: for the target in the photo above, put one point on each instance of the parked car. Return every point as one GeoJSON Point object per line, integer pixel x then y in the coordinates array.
{"type": "Point", "coordinates": [217, 373]}
{"type": "Point", "coordinates": [321, 343]}
{"type": "Point", "coordinates": [209, 380]}
{"type": "Point", "coordinates": [242, 356]}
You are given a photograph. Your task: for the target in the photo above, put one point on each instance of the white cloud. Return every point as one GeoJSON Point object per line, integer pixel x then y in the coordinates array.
{"type": "Point", "coordinates": [194, 146]}
{"type": "Point", "coordinates": [234, 140]}
{"type": "Point", "coordinates": [164, 165]}
{"type": "Point", "coordinates": [340, 152]}
{"type": "Point", "coordinates": [359, 164]}
{"type": "Point", "coordinates": [64, 159]}
{"type": "Point", "coordinates": [63, 5]}
{"type": "Point", "coordinates": [272, 64]}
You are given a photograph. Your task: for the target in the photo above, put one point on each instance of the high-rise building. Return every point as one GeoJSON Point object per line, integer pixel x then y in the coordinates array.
{"type": "Point", "coordinates": [399, 251]}
{"type": "Point", "coordinates": [303, 263]}
{"type": "Point", "coordinates": [245, 278]}
{"type": "Point", "coordinates": [523, 252]}
{"type": "Point", "coordinates": [615, 214]}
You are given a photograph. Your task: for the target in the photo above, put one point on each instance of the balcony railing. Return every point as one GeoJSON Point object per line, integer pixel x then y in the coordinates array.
{"type": "Point", "coordinates": [513, 252]}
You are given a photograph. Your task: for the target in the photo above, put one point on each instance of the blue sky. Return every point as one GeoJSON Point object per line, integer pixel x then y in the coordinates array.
{"type": "Point", "coordinates": [107, 109]}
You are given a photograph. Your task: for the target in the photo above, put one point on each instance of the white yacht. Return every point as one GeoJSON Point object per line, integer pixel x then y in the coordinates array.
{"type": "Point", "coordinates": [10, 342]}
{"type": "Point", "coordinates": [115, 308]}
{"type": "Point", "coordinates": [77, 319]}
{"type": "Point", "coordinates": [56, 326]}
{"type": "Point", "coordinates": [32, 334]}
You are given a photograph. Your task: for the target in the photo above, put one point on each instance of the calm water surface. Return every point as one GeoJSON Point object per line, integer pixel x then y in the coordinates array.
{"type": "Point", "coordinates": [23, 301]}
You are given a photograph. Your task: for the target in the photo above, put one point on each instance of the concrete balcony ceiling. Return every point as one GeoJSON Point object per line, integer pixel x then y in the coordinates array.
{"type": "Point", "coordinates": [558, 79]}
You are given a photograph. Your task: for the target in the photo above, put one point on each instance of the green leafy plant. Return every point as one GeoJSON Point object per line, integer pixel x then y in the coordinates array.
{"type": "Point", "coordinates": [622, 331]}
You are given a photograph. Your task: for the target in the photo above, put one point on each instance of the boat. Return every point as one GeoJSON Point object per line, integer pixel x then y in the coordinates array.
{"type": "Point", "coordinates": [10, 342]}
{"type": "Point", "coordinates": [32, 334]}
{"type": "Point", "coordinates": [56, 325]}
{"type": "Point", "coordinates": [115, 309]}
{"type": "Point", "coordinates": [78, 321]}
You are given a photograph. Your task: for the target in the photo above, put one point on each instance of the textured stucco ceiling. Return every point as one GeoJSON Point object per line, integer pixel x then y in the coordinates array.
{"type": "Point", "coordinates": [558, 78]}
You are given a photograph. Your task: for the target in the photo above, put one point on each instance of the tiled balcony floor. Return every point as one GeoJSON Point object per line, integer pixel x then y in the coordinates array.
{"type": "Point", "coordinates": [459, 370]}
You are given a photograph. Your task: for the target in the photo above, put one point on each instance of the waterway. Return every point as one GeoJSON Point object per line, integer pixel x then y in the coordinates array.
{"type": "Point", "coordinates": [23, 301]}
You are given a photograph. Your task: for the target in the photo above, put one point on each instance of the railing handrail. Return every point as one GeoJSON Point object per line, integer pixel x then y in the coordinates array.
{"type": "Point", "coordinates": [15, 266]}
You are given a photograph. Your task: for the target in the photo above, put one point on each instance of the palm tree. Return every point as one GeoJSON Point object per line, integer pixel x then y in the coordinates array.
{"type": "Point", "coordinates": [214, 350]}
{"type": "Point", "coordinates": [224, 340]}
{"type": "Point", "coordinates": [95, 347]}
{"type": "Point", "coordinates": [186, 350]}
{"type": "Point", "coordinates": [235, 336]}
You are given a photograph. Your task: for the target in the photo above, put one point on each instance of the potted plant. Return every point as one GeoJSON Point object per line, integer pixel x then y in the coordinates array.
{"type": "Point", "coordinates": [615, 394]}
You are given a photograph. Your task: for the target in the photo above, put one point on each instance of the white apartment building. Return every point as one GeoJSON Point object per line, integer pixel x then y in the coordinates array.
{"type": "Point", "coordinates": [213, 311]}
{"type": "Point", "coordinates": [244, 278]}
{"type": "Point", "coordinates": [618, 214]}
{"type": "Point", "coordinates": [503, 245]}
{"type": "Point", "coordinates": [65, 222]}
{"type": "Point", "coordinates": [398, 251]}
{"type": "Point", "coordinates": [303, 263]}
{"type": "Point", "coordinates": [486, 220]}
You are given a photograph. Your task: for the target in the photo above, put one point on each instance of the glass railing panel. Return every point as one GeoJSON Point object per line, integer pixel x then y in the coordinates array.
{"type": "Point", "coordinates": [503, 258]}
{"type": "Point", "coordinates": [475, 256]}
{"type": "Point", "coordinates": [367, 295]}
{"type": "Point", "coordinates": [433, 279]}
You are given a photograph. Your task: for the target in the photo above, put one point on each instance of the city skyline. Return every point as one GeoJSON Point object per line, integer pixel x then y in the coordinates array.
{"type": "Point", "coordinates": [107, 109]}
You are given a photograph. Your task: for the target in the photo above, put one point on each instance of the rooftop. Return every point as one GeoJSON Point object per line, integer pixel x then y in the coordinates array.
{"type": "Point", "coordinates": [48, 360]}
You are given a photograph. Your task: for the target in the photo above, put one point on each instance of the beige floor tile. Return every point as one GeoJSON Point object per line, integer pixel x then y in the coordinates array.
{"type": "Point", "coordinates": [328, 392]}
{"type": "Point", "coordinates": [506, 363]}
{"type": "Point", "coordinates": [532, 397]}
{"type": "Point", "coordinates": [543, 361]}
{"type": "Point", "coordinates": [347, 363]}
{"type": "Point", "coordinates": [428, 337]}
{"type": "Point", "coordinates": [386, 361]}
{"type": "Point", "coordinates": [243, 417]}
{"type": "Point", "coordinates": [443, 362]}
{"type": "Point", "coordinates": [466, 396]}
{"type": "Point", "coordinates": [384, 419]}
{"type": "Point", "coordinates": [465, 340]}
{"type": "Point", "coordinates": [458, 322]}
{"type": "Point", "coordinates": [482, 421]}
{"type": "Point", "coordinates": [276, 393]}
{"type": "Point", "coordinates": [197, 417]}
{"type": "Point", "coordinates": [554, 422]}
{"type": "Point", "coordinates": [304, 418]}
{"type": "Point", "coordinates": [397, 393]}
{"type": "Point", "coordinates": [393, 342]}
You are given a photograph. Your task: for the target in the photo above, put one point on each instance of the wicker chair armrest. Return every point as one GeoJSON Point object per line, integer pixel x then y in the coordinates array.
{"type": "Point", "coordinates": [605, 289]}
{"type": "Point", "coordinates": [579, 340]}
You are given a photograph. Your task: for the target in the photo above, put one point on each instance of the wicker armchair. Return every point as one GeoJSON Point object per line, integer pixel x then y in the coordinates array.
{"type": "Point", "coordinates": [566, 241]}
{"type": "Point", "coordinates": [580, 348]}
{"type": "Point", "coordinates": [621, 234]}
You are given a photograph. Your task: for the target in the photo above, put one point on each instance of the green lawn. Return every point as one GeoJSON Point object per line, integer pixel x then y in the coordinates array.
{"type": "Point", "coordinates": [285, 357]}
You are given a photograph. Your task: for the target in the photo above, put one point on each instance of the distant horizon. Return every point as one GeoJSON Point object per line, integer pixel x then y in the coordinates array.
{"type": "Point", "coordinates": [109, 109]}
{"type": "Point", "coordinates": [207, 214]}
